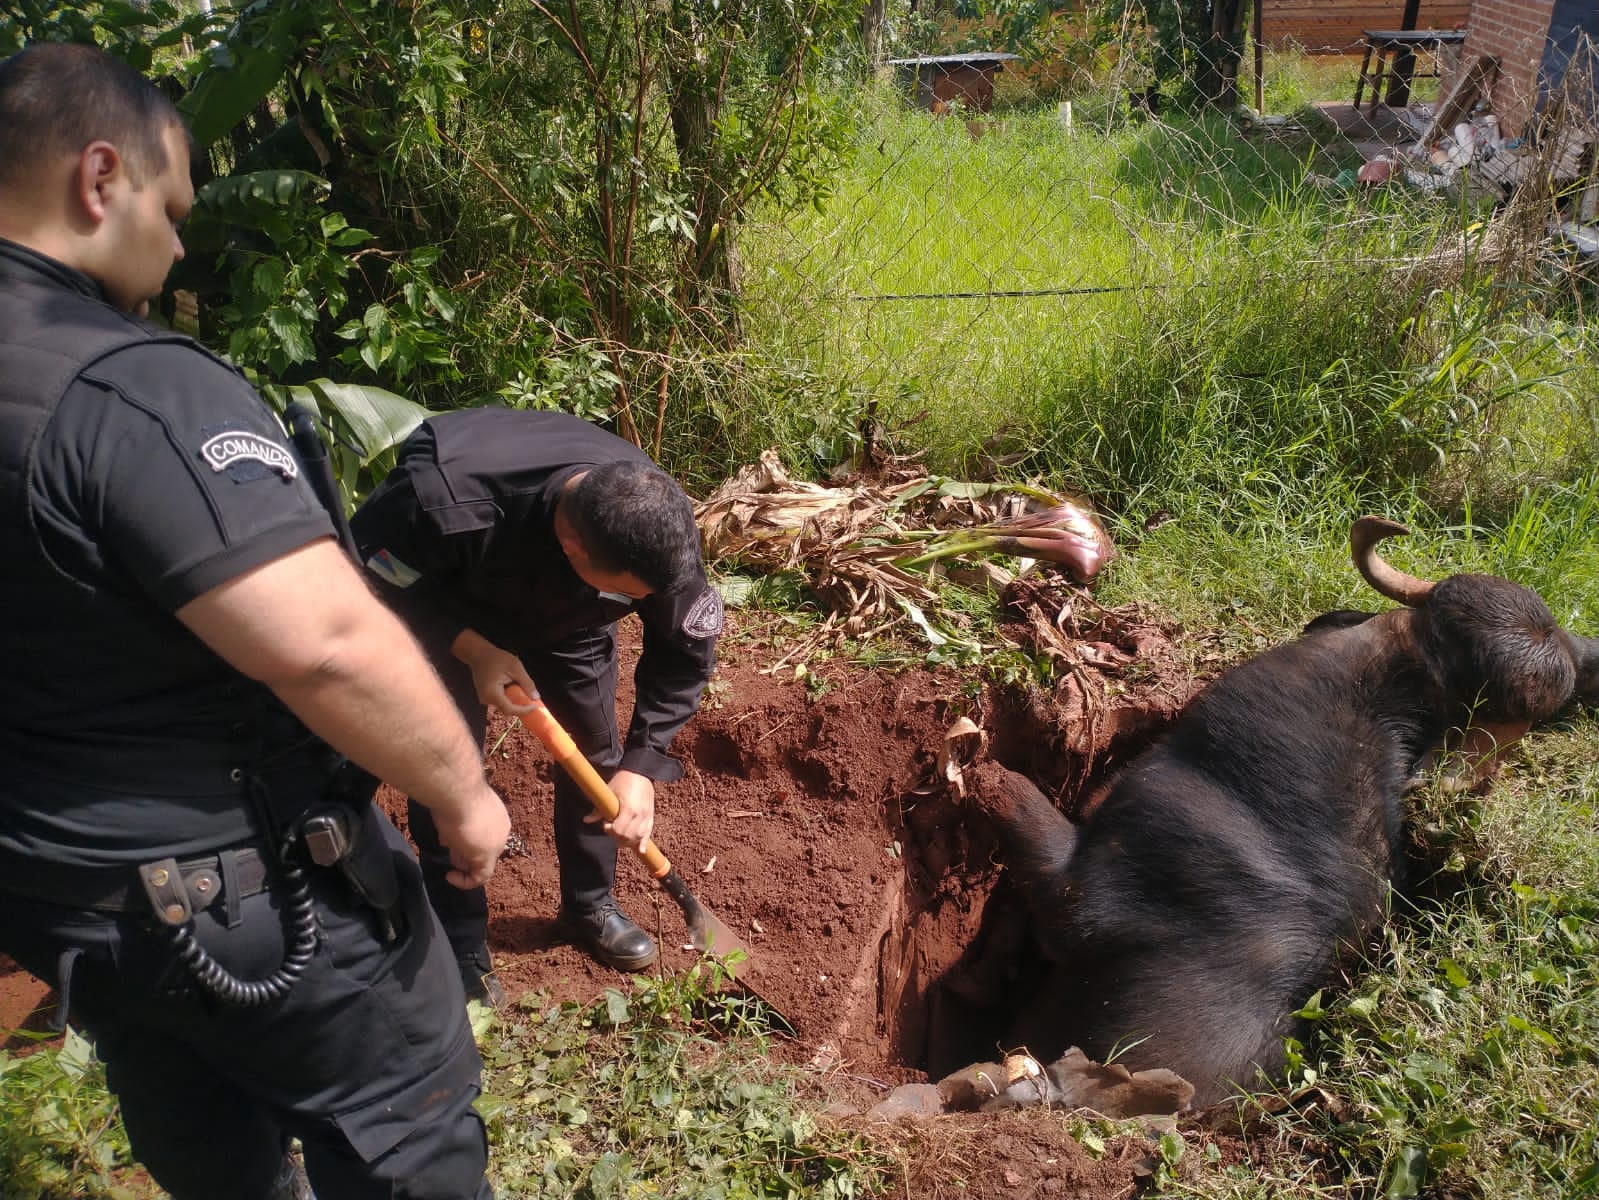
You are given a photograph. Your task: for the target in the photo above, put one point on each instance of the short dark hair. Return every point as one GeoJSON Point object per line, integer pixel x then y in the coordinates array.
{"type": "Point", "coordinates": [57, 97]}
{"type": "Point", "coordinates": [633, 519]}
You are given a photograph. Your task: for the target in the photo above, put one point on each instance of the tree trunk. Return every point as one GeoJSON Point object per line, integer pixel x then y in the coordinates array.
{"type": "Point", "coordinates": [1216, 68]}
{"type": "Point", "coordinates": [708, 282]}
{"type": "Point", "coordinates": [872, 18]}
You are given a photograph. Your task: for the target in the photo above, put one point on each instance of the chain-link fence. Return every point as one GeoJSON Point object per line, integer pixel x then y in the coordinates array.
{"type": "Point", "coordinates": [990, 265]}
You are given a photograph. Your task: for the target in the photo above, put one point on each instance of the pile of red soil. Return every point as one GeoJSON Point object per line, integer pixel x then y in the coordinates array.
{"type": "Point", "coordinates": [812, 821]}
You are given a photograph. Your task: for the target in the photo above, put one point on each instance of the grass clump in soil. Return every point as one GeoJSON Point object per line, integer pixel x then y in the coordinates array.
{"type": "Point", "coordinates": [669, 1090]}
{"type": "Point", "coordinates": [1470, 1049]}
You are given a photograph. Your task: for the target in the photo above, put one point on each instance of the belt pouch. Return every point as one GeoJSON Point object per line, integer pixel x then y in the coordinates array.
{"type": "Point", "coordinates": [228, 864]}
{"type": "Point", "coordinates": [369, 867]}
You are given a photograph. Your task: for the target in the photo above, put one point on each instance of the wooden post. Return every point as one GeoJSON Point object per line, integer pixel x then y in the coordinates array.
{"type": "Point", "coordinates": [1403, 69]}
{"type": "Point", "coordinates": [1260, 57]}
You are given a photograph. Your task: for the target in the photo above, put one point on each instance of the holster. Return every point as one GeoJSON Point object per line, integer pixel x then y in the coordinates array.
{"type": "Point", "coordinates": [351, 839]}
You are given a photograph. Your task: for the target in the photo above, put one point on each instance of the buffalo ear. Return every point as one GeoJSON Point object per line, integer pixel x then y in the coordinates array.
{"type": "Point", "coordinates": [1585, 657]}
{"type": "Point", "coordinates": [1341, 618]}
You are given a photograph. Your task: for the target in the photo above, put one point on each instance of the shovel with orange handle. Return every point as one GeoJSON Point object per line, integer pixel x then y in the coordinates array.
{"type": "Point", "coordinates": [706, 932]}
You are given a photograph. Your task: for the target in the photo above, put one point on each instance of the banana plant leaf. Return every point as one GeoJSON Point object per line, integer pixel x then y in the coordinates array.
{"type": "Point", "coordinates": [239, 78]}
{"type": "Point", "coordinates": [363, 426]}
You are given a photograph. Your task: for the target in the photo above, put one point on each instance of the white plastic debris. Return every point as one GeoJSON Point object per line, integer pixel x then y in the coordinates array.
{"type": "Point", "coordinates": [1584, 238]}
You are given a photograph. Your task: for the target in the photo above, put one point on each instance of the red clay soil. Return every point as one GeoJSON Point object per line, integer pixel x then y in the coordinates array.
{"type": "Point", "coordinates": [810, 821]}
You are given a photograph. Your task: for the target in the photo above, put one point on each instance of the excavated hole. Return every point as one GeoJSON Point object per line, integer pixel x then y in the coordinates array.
{"type": "Point", "coordinates": [874, 911]}
{"type": "Point", "coordinates": [958, 959]}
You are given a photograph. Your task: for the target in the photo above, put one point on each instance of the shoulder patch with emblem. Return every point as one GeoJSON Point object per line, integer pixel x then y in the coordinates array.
{"type": "Point", "coordinates": [704, 617]}
{"type": "Point", "coordinates": [246, 455]}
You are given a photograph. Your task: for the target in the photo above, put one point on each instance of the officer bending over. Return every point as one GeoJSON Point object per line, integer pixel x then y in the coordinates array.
{"type": "Point", "coordinates": [247, 941]}
{"type": "Point", "coordinates": [512, 543]}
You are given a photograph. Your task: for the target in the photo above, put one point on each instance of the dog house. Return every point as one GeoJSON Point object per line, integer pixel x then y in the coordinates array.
{"type": "Point", "coordinates": [942, 79]}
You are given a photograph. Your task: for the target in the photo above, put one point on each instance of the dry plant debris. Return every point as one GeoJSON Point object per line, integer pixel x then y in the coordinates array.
{"type": "Point", "coordinates": [863, 545]}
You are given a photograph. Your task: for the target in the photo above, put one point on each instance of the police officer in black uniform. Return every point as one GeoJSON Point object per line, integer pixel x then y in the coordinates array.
{"type": "Point", "coordinates": [218, 903]}
{"type": "Point", "coordinates": [512, 542]}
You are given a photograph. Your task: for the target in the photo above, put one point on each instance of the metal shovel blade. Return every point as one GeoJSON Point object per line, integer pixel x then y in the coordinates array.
{"type": "Point", "coordinates": [707, 932]}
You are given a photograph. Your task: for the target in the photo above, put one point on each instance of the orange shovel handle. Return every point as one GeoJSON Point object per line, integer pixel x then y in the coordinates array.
{"type": "Point", "coordinates": [564, 750]}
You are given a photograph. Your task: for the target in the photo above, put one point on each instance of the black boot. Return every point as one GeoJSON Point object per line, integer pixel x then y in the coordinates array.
{"type": "Point", "coordinates": [478, 977]}
{"type": "Point", "coordinates": [607, 934]}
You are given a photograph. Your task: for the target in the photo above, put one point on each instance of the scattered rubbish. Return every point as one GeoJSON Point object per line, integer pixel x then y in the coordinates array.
{"type": "Point", "coordinates": [1543, 184]}
{"type": "Point", "coordinates": [1418, 117]}
{"type": "Point", "coordinates": [1377, 170]}
{"type": "Point", "coordinates": [1583, 238]}
{"type": "Point", "coordinates": [1267, 125]}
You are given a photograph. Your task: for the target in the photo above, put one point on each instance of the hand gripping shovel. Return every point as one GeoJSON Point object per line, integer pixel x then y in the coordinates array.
{"type": "Point", "coordinates": [705, 930]}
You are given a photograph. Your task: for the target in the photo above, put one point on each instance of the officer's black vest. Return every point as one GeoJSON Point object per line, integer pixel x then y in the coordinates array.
{"type": "Point", "coordinates": [49, 334]}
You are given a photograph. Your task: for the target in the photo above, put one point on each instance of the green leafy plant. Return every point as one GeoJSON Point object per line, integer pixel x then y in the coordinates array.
{"type": "Point", "coordinates": [667, 1082]}
{"type": "Point", "coordinates": [411, 327]}
{"type": "Point", "coordinates": [145, 35]}
{"type": "Point", "coordinates": [285, 261]}
{"type": "Point", "coordinates": [361, 426]}
{"type": "Point", "coordinates": [59, 1131]}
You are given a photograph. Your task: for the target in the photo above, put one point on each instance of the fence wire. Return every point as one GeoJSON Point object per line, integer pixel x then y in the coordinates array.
{"type": "Point", "coordinates": [966, 253]}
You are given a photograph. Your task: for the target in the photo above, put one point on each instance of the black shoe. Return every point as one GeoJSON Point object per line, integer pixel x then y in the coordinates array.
{"type": "Point", "coordinates": [607, 934]}
{"type": "Point", "coordinates": [479, 979]}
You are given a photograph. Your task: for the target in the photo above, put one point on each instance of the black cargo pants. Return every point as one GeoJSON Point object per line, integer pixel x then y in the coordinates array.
{"type": "Point", "coordinates": [368, 1060]}
{"type": "Point", "coordinates": [577, 681]}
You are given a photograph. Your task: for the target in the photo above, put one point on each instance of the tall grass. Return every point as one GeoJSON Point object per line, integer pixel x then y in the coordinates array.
{"type": "Point", "coordinates": [1212, 330]}
{"type": "Point", "coordinates": [900, 286]}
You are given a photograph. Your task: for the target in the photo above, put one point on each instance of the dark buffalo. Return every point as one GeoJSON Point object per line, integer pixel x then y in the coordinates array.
{"type": "Point", "coordinates": [1208, 894]}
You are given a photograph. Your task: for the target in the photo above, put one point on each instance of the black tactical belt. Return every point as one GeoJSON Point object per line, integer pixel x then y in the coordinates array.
{"type": "Point", "coordinates": [235, 873]}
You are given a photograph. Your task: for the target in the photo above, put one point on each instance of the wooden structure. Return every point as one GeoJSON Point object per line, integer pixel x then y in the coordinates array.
{"type": "Point", "coordinates": [940, 80]}
{"type": "Point", "coordinates": [1393, 51]}
{"type": "Point", "coordinates": [1339, 26]}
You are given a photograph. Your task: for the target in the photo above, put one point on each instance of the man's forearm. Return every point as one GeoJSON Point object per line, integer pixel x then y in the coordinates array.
{"type": "Point", "coordinates": [306, 626]}
{"type": "Point", "coordinates": [379, 702]}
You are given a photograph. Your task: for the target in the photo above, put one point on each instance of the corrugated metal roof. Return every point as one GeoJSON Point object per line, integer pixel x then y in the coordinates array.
{"type": "Point", "coordinates": [945, 60]}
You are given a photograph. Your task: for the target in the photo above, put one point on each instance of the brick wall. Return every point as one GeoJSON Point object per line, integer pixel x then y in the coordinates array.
{"type": "Point", "coordinates": [1515, 32]}
{"type": "Point", "coordinates": [1334, 26]}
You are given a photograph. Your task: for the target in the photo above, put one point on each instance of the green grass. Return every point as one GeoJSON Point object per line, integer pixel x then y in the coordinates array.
{"type": "Point", "coordinates": [894, 288]}
{"type": "Point", "coordinates": [663, 1091]}
{"type": "Point", "coordinates": [1470, 1048]}
{"type": "Point", "coordinates": [1190, 299]}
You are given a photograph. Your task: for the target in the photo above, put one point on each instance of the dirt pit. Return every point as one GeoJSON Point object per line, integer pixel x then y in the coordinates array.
{"type": "Point", "coordinates": [812, 820]}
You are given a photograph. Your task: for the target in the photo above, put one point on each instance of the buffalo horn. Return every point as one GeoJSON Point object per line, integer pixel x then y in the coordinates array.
{"type": "Point", "coordinates": [1389, 581]}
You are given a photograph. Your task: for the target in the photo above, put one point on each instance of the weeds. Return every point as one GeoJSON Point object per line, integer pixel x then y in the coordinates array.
{"type": "Point", "coordinates": [667, 1090]}
{"type": "Point", "coordinates": [59, 1132]}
